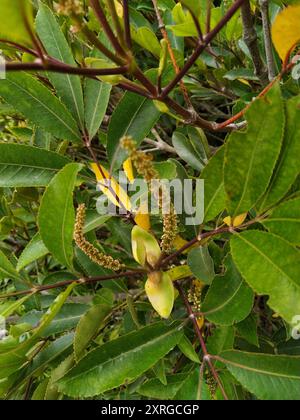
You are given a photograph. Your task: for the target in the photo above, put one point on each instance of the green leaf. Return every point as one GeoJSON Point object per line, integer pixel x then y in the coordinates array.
{"type": "Point", "coordinates": [284, 221]}
{"type": "Point", "coordinates": [66, 320]}
{"type": "Point", "coordinates": [271, 266]}
{"type": "Point", "coordinates": [154, 389]}
{"type": "Point", "coordinates": [27, 166]}
{"type": "Point", "coordinates": [189, 149]}
{"type": "Point", "coordinates": [215, 196]}
{"type": "Point", "coordinates": [187, 348]}
{"type": "Point", "coordinates": [7, 270]}
{"type": "Point", "coordinates": [39, 105]}
{"type": "Point", "coordinates": [146, 38]}
{"type": "Point", "coordinates": [13, 26]}
{"type": "Point", "coordinates": [193, 388]}
{"type": "Point", "coordinates": [55, 350]}
{"type": "Point", "coordinates": [68, 87]}
{"type": "Point", "coordinates": [121, 360]}
{"type": "Point", "coordinates": [57, 216]}
{"type": "Point", "coordinates": [229, 299]}
{"type": "Point", "coordinates": [287, 168]}
{"type": "Point", "coordinates": [134, 116]}
{"type": "Point", "coordinates": [268, 377]}
{"type": "Point", "coordinates": [88, 327]}
{"type": "Point", "coordinates": [10, 309]}
{"type": "Point", "coordinates": [96, 98]}
{"type": "Point", "coordinates": [251, 156]}
{"type": "Point", "coordinates": [221, 340]}
{"type": "Point", "coordinates": [15, 357]}
{"type": "Point", "coordinates": [201, 264]}
{"type": "Point", "coordinates": [34, 250]}
{"type": "Point", "coordinates": [248, 330]}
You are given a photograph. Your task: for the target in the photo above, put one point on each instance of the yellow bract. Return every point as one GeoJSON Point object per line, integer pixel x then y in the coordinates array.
{"type": "Point", "coordinates": [286, 30]}
{"type": "Point", "coordinates": [161, 294]}
{"type": "Point", "coordinates": [145, 248]}
{"type": "Point", "coordinates": [109, 186]}
{"type": "Point", "coordinates": [237, 221]}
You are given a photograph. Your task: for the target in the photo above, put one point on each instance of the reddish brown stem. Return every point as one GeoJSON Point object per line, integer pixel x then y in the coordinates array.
{"type": "Point", "coordinates": [207, 357]}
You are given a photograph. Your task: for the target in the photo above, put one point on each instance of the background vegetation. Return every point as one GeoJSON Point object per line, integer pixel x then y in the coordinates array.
{"type": "Point", "coordinates": [137, 306]}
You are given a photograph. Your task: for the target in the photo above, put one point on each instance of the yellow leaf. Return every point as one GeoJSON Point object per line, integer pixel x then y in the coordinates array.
{"type": "Point", "coordinates": [128, 169]}
{"type": "Point", "coordinates": [143, 221]}
{"type": "Point", "coordinates": [286, 30]}
{"type": "Point", "coordinates": [237, 221]}
{"type": "Point", "coordinates": [180, 272]}
{"type": "Point", "coordinates": [180, 242]}
{"type": "Point", "coordinates": [200, 322]}
{"type": "Point", "coordinates": [109, 186]}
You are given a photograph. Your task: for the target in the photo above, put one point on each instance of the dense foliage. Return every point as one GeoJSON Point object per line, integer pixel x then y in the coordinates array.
{"type": "Point", "coordinates": [136, 305]}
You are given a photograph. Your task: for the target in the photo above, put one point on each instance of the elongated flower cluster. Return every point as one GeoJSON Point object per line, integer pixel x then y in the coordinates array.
{"type": "Point", "coordinates": [105, 261]}
{"type": "Point", "coordinates": [194, 297]}
{"type": "Point", "coordinates": [70, 7]}
{"type": "Point", "coordinates": [143, 163]}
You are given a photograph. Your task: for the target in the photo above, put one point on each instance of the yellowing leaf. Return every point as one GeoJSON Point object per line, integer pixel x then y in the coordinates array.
{"type": "Point", "coordinates": [99, 63]}
{"type": "Point", "coordinates": [142, 218]}
{"type": "Point", "coordinates": [13, 24]}
{"type": "Point", "coordinates": [180, 272]}
{"type": "Point", "coordinates": [179, 242]}
{"type": "Point", "coordinates": [160, 291]}
{"type": "Point", "coordinates": [128, 169]}
{"type": "Point", "coordinates": [109, 186]}
{"type": "Point", "coordinates": [286, 30]}
{"type": "Point", "coordinates": [237, 221]}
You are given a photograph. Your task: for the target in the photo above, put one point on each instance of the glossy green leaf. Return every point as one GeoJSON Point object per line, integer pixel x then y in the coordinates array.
{"type": "Point", "coordinates": [201, 264]}
{"type": "Point", "coordinates": [271, 266]}
{"type": "Point", "coordinates": [88, 327]}
{"type": "Point", "coordinates": [287, 168]}
{"type": "Point", "coordinates": [55, 350]}
{"type": "Point", "coordinates": [251, 155]}
{"type": "Point", "coordinates": [96, 98]}
{"type": "Point", "coordinates": [57, 216]}
{"type": "Point", "coordinates": [15, 357]}
{"type": "Point", "coordinates": [7, 270]}
{"type": "Point", "coordinates": [34, 250]}
{"type": "Point", "coordinates": [154, 389]}
{"type": "Point", "coordinates": [27, 166]}
{"type": "Point", "coordinates": [66, 320]}
{"type": "Point", "coordinates": [284, 221]}
{"type": "Point", "coordinates": [13, 25]}
{"type": "Point", "coordinates": [190, 150]}
{"type": "Point", "coordinates": [229, 299]}
{"type": "Point", "coordinates": [121, 360]}
{"type": "Point", "coordinates": [268, 377]}
{"type": "Point", "coordinates": [68, 87]}
{"type": "Point", "coordinates": [39, 105]}
{"type": "Point", "coordinates": [215, 197]}
{"type": "Point", "coordinates": [187, 348]}
{"type": "Point", "coordinates": [193, 388]}
{"type": "Point", "coordinates": [134, 116]}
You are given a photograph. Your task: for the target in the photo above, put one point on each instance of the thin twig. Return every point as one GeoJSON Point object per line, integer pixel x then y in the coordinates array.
{"type": "Point", "coordinates": [251, 40]}
{"type": "Point", "coordinates": [264, 6]}
{"type": "Point", "coordinates": [207, 357]}
{"type": "Point", "coordinates": [82, 281]}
